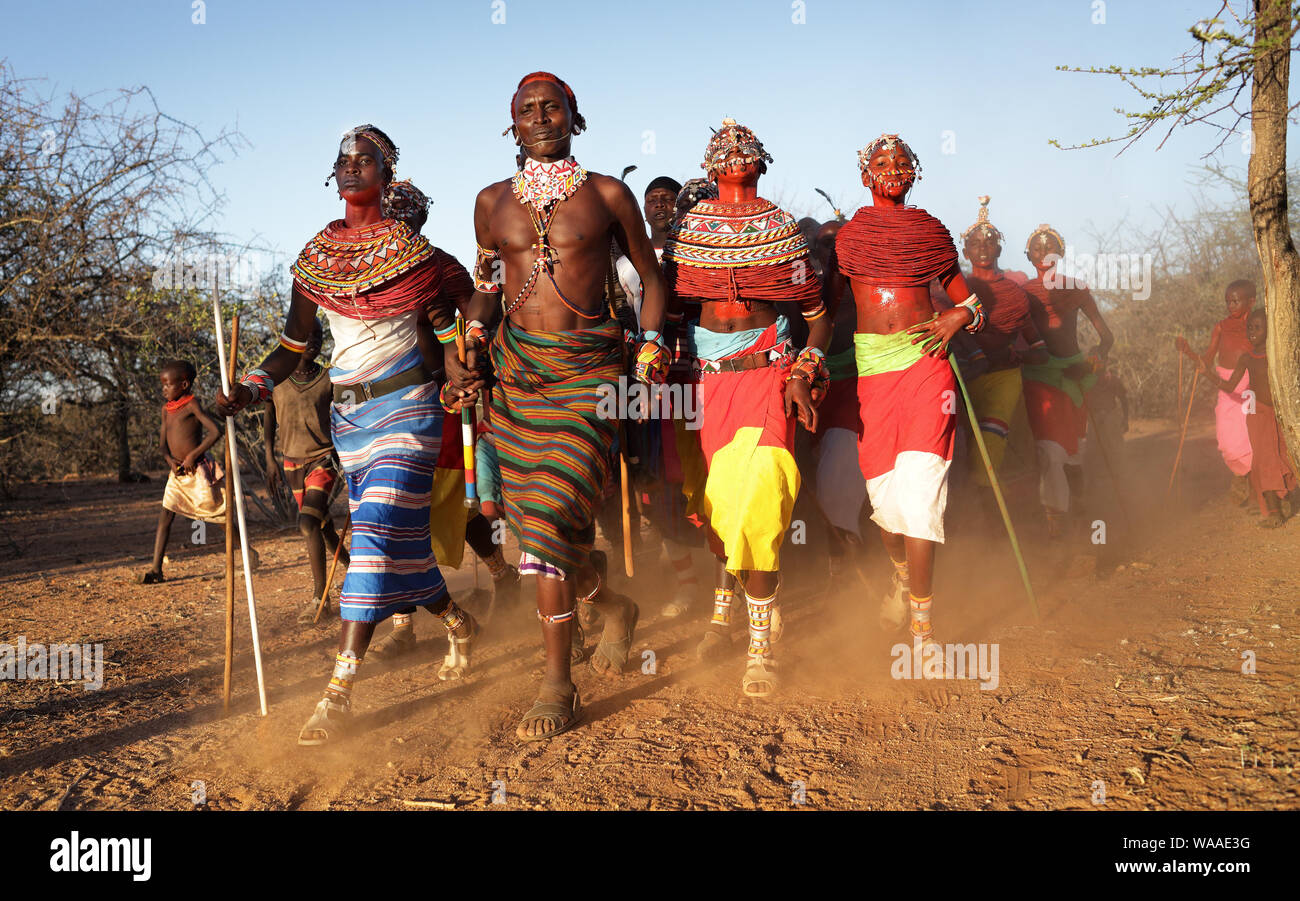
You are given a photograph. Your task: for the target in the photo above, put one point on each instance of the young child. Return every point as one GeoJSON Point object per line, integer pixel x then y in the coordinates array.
{"type": "Point", "coordinates": [1228, 341]}
{"type": "Point", "coordinates": [299, 416]}
{"type": "Point", "coordinates": [1271, 476]}
{"type": "Point", "coordinates": [195, 482]}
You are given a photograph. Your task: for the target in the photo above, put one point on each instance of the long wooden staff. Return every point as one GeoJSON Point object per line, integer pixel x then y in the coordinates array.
{"type": "Point", "coordinates": [230, 538]}
{"type": "Point", "coordinates": [329, 583]}
{"type": "Point", "coordinates": [622, 436]}
{"type": "Point", "coordinates": [1191, 396]}
{"type": "Point", "coordinates": [233, 473]}
{"type": "Point", "coordinates": [466, 424]}
{"type": "Point", "coordinates": [997, 490]}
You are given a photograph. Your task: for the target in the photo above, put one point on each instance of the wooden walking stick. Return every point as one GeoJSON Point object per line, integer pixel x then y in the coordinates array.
{"type": "Point", "coordinates": [997, 490]}
{"type": "Point", "coordinates": [230, 540]}
{"type": "Point", "coordinates": [1191, 396]}
{"type": "Point", "coordinates": [1180, 383]}
{"type": "Point", "coordinates": [329, 583]}
{"type": "Point", "coordinates": [466, 424]}
{"type": "Point", "coordinates": [622, 435]}
{"type": "Point", "coordinates": [238, 489]}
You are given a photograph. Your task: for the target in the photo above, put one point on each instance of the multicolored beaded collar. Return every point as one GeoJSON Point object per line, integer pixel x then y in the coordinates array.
{"type": "Point", "coordinates": [341, 261]}
{"type": "Point", "coordinates": [542, 183]}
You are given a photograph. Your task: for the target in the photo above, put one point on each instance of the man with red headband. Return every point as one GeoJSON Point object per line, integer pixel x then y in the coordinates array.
{"type": "Point", "coordinates": [890, 253]}
{"type": "Point", "coordinates": [1054, 391]}
{"type": "Point", "coordinates": [738, 256]}
{"type": "Point", "coordinates": [543, 254]}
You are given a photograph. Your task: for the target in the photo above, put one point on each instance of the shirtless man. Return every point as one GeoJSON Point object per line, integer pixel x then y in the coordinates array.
{"type": "Point", "coordinates": [1054, 391]}
{"type": "Point", "coordinates": [549, 228]}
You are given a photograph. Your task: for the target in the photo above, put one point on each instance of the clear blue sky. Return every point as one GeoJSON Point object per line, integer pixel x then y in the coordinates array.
{"type": "Point", "coordinates": [292, 76]}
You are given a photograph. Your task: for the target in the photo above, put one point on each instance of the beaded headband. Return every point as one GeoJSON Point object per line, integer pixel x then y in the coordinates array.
{"type": "Point", "coordinates": [579, 122]}
{"type": "Point", "coordinates": [387, 149]}
{"type": "Point", "coordinates": [372, 134]}
{"type": "Point", "coordinates": [730, 138]}
{"type": "Point", "coordinates": [982, 224]}
{"type": "Point", "coordinates": [1045, 229]}
{"type": "Point", "coordinates": [888, 142]}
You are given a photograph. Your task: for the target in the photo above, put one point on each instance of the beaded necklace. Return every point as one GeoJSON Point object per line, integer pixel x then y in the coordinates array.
{"type": "Point", "coordinates": [540, 187]}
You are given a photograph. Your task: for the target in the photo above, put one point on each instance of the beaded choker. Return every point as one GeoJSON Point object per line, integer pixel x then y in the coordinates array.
{"type": "Point", "coordinates": [542, 183]}
{"type": "Point", "coordinates": [174, 405]}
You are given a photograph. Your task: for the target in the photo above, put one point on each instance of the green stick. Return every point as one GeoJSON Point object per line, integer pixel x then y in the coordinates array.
{"type": "Point", "coordinates": [997, 490]}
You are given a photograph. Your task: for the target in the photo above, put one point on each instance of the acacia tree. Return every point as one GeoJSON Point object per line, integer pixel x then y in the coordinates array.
{"type": "Point", "coordinates": [95, 192]}
{"type": "Point", "coordinates": [1234, 53]}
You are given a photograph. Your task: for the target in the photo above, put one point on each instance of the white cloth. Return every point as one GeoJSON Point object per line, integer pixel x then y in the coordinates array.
{"type": "Point", "coordinates": [1053, 487]}
{"type": "Point", "coordinates": [631, 282]}
{"type": "Point", "coordinates": [365, 349]}
{"type": "Point", "coordinates": [911, 497]}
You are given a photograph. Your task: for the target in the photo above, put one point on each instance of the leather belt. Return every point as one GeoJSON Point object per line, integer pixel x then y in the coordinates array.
{"type": "Point", "coordinates": [757, 360]}
{"type": "Point", "coordinates": [362, 391]}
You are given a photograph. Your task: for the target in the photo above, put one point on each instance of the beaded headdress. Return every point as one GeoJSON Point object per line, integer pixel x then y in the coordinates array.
{"type": "Point", "coordinates": [727, 140]}
{"type": "Point", "coordinates": [387, 149]}
{"type": "Point", "coordinates": [406, 202]}
{"type": "Point", "coordinates": [1045, 229]}
{"type": "Point", "coordinates": [695, 190]}
{"type": "Point", "coordinates": [889, 142]}
{"type": "Point", "coordinates": [982, 226]}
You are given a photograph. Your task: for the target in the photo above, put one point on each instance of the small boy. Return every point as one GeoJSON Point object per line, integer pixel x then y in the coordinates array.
{"type": "Point", "coordinates": [299, 415]}
{"type": "Point", "coordinates": [195, 482]}
{"type": "Point", "coordinates": [1271, 476]}
{"type": "Point", "coordinates": [1228, 341]}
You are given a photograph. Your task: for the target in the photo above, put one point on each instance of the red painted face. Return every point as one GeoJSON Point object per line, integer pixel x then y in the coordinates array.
{"type": "Point", "coordinates": [890, 173]}
{"type": "Point", "coordinates": [543, 120]}
{"type": "Point", "coordinates": [360, 171]}
{"type": "Point", "coordinates": [735, 172]}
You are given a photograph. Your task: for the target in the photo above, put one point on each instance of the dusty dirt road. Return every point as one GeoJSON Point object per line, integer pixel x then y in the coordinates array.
{"type": "Point", "coordinates": [1132, 684]}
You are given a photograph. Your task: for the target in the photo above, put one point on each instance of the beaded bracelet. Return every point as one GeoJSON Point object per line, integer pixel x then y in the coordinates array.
{"type": "Point", "coordinates": [290, 344]}
{"type": "Point", "coordinates": [976, 308]}
{"type": "Point", "coordinates": [260, 385]}
{"type": "Point", "coordinates": [446, 335]}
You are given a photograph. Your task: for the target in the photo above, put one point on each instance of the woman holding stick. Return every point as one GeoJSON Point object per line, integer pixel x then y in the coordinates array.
{"type": "Point", "coordinates": [386, 292]}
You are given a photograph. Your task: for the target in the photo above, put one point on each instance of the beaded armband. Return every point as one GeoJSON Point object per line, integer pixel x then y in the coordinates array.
{"type": "Point", "coordinates": [447, 334]}
{"type": "Point", "coordinates": [260, 384]}
{"type": "Point", "coordinates": [976, 308]}
{"type": "Point", "coordinates": [812, 311]}
{"type": "Point", "coordinates": [290, 344]}
{"type": "Point", "coordinates": [485, 271]}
